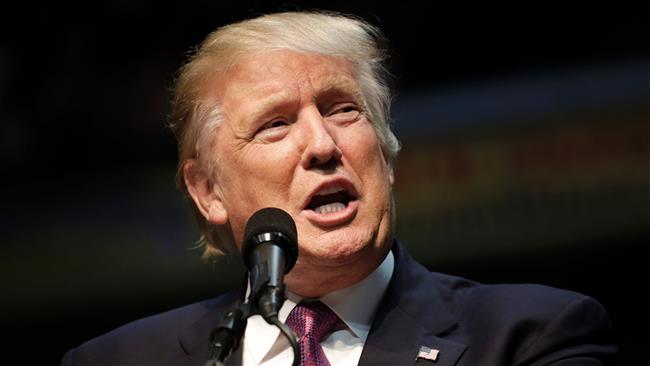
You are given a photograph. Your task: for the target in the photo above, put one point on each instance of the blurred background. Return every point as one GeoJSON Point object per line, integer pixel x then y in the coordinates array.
{"type": "Point", "coordinates": [526, 157]}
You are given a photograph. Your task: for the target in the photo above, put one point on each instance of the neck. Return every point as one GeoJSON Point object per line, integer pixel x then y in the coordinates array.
{"type": "Point", "coordinates": [311, 280]}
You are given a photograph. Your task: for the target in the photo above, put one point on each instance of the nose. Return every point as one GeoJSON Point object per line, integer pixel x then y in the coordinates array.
{"type": "Point", "coordinates": [320, 147]}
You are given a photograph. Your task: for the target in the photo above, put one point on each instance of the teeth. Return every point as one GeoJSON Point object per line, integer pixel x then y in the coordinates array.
{"type": "Point", "coordinates": [330, 190]}
{"type": "Point", "coordinates": [330, 207]}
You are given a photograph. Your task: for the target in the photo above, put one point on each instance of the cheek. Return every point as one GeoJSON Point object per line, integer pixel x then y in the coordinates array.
{"type": "Point", "coordinates": [365, 152]}
{"type": "Point", "coordinates": [260, 175]}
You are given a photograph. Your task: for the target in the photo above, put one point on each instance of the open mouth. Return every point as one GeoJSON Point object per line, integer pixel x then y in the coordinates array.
{"type": "Point", "coordinates": [334, 203]}
{"type": "Point", "coordinates": [330, 200]}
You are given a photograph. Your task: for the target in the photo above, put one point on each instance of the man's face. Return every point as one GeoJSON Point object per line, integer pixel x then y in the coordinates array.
{"type": "Point", "coordinates": [295, 136]}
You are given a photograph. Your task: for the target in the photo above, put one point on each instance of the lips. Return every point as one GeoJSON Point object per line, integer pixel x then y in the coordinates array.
{"type": "Point", "coordinates": [332, 203]}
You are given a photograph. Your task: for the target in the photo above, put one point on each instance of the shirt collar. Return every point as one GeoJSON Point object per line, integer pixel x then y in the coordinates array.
{"type": "Point", "coordinates": [355, 305]}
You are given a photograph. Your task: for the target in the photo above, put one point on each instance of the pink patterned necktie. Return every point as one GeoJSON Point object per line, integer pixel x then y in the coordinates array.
{"type": "Point", "coordinates": [312, 321]}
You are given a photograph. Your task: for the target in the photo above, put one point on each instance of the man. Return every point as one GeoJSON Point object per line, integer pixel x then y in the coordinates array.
{"type": "Point", "coordinates": [290, 110]}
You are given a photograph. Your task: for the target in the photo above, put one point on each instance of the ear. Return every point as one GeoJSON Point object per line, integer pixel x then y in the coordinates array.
{"type": "Point", "coordinates": [206, 194]}
{"type": "Point", "coordinates": [391, 175]}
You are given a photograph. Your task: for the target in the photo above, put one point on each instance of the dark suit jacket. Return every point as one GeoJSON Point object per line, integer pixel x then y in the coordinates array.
{"type": "Point", "coordinates": [470, 324]}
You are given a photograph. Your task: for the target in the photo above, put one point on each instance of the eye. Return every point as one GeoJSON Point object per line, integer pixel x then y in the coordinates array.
{"type": "Point", "coordinates": [273, 130]}
{"type": "Point", "coordinates": [344, 113]}
{"type": "Point", "coordinates": [347, 109]}
{"type": "Point", "coordinates": [275, 124]}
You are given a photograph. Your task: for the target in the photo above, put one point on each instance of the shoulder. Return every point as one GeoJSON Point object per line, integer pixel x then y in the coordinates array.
{"type": "Point", "coordinates": [152, 338]}
{"type": "Point", "coordinates": [514, 324]}
{"type": "Point", "coordinates": [529, 322]}
{"type": "Point", "coordinates": [531, 304]}
{"type": "Point", "coordinates": [467, 298]}
{"type": "Point", "coordinates": [476, 304]}
{"type": "Point", "coordinates": [511, 300]}
{"type": "Point", "coordinates": [487, 305]}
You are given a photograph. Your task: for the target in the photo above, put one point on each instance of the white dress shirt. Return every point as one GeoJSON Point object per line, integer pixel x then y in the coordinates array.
{"type": "Point", "coordinates": [356, 305]}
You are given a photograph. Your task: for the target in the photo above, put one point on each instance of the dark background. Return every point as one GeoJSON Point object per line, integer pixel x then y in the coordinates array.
{"type": "Point", "coordinates": [94, 234]}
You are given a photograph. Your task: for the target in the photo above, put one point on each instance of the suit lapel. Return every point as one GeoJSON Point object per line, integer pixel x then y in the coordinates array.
{"type": "Point", "coordinates": [412, 314]}
{"type": "Point", "coordinates": [399, 345]}
{"type": "Point", "coordinates": [194, 339]}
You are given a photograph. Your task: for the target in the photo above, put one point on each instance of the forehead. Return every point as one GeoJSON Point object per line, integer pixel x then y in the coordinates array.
{"type": "Point", "coordinates": [277, 73]}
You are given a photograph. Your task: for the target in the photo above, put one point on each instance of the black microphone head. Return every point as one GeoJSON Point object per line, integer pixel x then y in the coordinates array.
{"type": "Point", "coordinates": [274, 224]}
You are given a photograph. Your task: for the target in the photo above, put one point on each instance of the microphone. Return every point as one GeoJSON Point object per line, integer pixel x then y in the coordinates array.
{"type": "Point", "coordinates": [269, 251]}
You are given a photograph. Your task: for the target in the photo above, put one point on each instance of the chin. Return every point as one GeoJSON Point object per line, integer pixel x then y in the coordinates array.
{"type": "Point", "coordinates": [340, 247]}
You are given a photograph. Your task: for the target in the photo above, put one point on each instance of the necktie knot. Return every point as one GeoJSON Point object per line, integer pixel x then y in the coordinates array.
{"type": "Point", "coordinates": [312, 321]}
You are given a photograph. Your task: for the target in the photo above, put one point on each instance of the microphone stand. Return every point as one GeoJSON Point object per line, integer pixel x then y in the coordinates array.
{"type": "Point", "coordinates": [226, 337]}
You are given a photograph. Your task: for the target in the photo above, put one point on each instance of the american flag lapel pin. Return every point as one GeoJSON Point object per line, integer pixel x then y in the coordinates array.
{"type": "Point", "coordinates": [427, 353]}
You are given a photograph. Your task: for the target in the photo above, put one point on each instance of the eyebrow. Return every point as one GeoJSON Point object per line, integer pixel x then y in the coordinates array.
{"type": "Point", "coordinates": [334, 84]}
{"type": "Point", "coordinates": [267, 104]}
{"type": "Point", "coordinates": [337, 84]}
